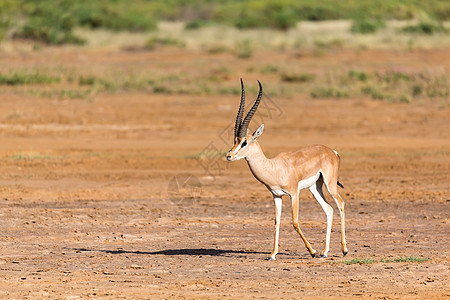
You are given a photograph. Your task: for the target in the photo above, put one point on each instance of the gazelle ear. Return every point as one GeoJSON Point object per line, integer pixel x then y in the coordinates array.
{"type": "Point", "coordinates": [258, 132]}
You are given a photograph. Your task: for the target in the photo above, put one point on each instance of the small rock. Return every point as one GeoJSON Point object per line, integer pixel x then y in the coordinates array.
{"type": "Point", "coordinates": [136, 267]}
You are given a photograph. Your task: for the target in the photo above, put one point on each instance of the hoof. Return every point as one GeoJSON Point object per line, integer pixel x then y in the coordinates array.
{"type": "Point", "coordinates": [323, 256]}
{"type": "Point", "coordinates": [313, 254]}
{"type": "Point", "coordinates": [345, 253]}
{"type": "Point", "coordinates": [271, 258]}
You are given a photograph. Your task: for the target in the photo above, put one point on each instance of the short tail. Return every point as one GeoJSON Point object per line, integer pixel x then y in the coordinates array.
{"type": "Point", "coordinates": [340, 184]}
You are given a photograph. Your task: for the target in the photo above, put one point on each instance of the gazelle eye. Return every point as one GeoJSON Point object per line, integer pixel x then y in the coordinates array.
{"type": "Point", "coordinates": [244, 144]}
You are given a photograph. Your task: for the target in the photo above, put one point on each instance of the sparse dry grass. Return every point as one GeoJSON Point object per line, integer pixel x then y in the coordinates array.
{"type": "Point", "coordinates": [389, 84]}
{"type": "Point", "coordinates": [306, 35]}
{"type": "Point", "coordinates": [313, 39]}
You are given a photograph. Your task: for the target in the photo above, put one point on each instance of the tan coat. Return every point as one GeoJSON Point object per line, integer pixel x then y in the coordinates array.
{"type": "Point", "coordinates": [288, 173]}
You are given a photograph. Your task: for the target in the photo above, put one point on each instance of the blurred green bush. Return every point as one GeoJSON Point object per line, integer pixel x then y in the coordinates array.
{"type": "Point", "coordinates": [47, 24]}
{"type": "Point", "coordinates": [8, 12]}
{"type": "Point", "coordinates": [53, 21]}
{"type": "Point", "coordinates": [114, 15]}
{"type": "Point", "coordinates": [367, 25]}
{"type": "Point", "coordinates": [426, 27]}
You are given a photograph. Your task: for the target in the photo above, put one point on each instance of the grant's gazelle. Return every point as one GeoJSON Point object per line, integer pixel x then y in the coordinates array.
{"type": "Point", "coordinates": [287, 173]}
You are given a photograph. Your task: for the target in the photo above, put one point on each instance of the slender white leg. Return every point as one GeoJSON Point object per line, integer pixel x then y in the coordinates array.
{"type": "Point", "coordinates": [295, 223]}
{"type": "Point", "coordinates": [342, 213]}
{"type": "Point", "coordinates": [340, 204]}
{"type": "Point", "coordinates": [278, 205]}
{"type": "Point", "coordinates": [316, 190]}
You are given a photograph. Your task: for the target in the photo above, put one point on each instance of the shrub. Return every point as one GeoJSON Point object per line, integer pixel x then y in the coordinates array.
{"type": "Point", "coordinates": [153, 42]}
{"type": "Point", "coordinates": [251, 20]}
{"type": "Point", "coordinates": [47, 24]}
{"type": "Point", "coordinates": [292, 77]}
{"type": "Point", "coordinates": [425, 27]}
{"type": "Point", "coordinates": [361, 76]}
{"type": "Point", "coordinates": [319, 11]}
{"type": "Point", "coordinates": [98, 14]}
{"type": "Point", "coordinates": [367, 26]}
{"type": "Point", "coordinates": [417, 90]}
{"type": "Point", "coordinates": [48, 34]}
{"type": "Point", "coordinates": [159, 89]}
{"type": "Point", "coordinates": [8, 11]}
{"type": "Point", "coordinates": [258, 14]}
{"type": "Point", "coordinates": [374, 93]}
{"type": "Point", "coordinates": [283, 19]}
{"type": "Point", "coordinates": [244, 49]}
{"type": "Point", "coordinates": [197, 24]}
{"type": "Point", "coordinates": [95, 81]}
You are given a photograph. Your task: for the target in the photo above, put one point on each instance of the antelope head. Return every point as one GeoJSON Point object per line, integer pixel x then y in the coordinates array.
{"type": "Point", "coordinates": [243, 140]}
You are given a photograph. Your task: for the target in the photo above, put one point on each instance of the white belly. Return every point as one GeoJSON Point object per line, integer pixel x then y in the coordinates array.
{"type": "Point", "coordinates": [302, 184]}
{"type": "Point", "coordinates": [308, 182]}
{"type": "Point", "coordinates": [279, 193]}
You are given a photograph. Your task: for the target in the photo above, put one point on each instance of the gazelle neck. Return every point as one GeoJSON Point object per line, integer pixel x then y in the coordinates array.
{"type": "Point", "coordinates": [258, 163]}
{"type": "Point", "coordinates": [255, 154]}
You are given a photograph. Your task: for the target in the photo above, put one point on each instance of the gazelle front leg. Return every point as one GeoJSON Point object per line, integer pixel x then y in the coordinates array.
{"type": "Point", "coordinates": [295, 223]}
{"type": "Point", "coordinates": [278, 205]}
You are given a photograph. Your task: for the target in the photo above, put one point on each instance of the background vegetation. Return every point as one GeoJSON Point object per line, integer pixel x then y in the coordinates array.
{"type": "Point", "coordinates": [53, 21]}
{"type": "Point", "coordinates": [231, 27]}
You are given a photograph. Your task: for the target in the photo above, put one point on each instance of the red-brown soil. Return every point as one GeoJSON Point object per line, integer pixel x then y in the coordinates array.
{"type": "Point", "coordinates": [85, 209]}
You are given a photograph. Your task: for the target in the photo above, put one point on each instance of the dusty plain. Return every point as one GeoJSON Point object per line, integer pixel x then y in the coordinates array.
{"type": "Point", "coordinates": [127, 195]}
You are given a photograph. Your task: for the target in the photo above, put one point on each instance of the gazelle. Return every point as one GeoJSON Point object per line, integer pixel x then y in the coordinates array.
{"type": "Point", "coordinates": [288, 173]}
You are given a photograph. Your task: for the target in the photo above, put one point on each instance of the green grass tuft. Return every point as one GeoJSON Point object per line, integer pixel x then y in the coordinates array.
{"type": "Point", "coordinates": [405, 259]}
{"type": "Point", "coordinates": [297, 77]}
{"type": "Point", "coordinates": [27, 78]}
{"type": "Point", "coordinates": [153, 42]}
{"type": "Point", "coordinates": [363, 261]}
{"type": "Point", "coordinates": [374, 93]}
{"type": "Point", "coordinates": [360, 261]}
{"type": "Point", "coordinates": [328, 92]}
{"type": "Point", "coordinates": [269, 69]}
{"type": "Point", "coordinates": [358, 75]}
{"type": "Point", "coordinates": [32, 156]}
{"type": "Point", "coordinates": [197, 24]}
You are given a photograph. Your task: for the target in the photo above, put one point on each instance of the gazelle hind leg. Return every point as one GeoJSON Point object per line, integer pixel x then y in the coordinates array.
{"type": "Point", "coordinates": [316, 190]}
{"type": "Point", "coordinates": [340, 204]}
{"type": "Point", "coordinates": [332, 189]}
{"type": "Point", "coordinates": [278, 205]}
{"type": "Point", "coordinates": [295, 223]}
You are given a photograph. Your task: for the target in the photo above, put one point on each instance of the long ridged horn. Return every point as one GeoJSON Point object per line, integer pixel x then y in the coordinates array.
{"type": "Point", "coordinates": [240, 112]}
{"type": "Point", "coordinates": [244, 126]}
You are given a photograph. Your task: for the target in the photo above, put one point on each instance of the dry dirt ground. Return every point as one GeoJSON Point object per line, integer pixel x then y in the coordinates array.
{"type": "Point", "coordinates": [110, 198]}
